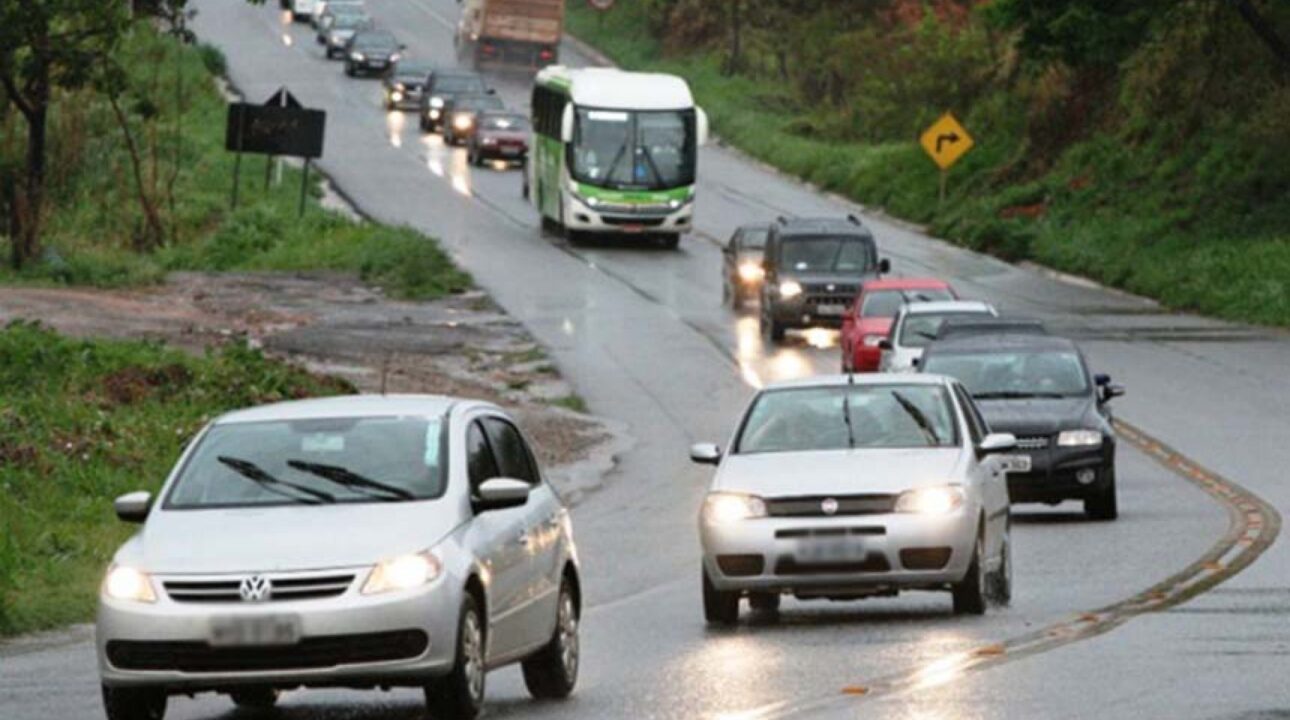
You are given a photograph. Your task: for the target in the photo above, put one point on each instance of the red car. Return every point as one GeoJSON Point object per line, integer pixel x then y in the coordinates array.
{"type": "Point", "coordinates": [499, 135]}
{"type": "Point", "coordinates": [868, 320]}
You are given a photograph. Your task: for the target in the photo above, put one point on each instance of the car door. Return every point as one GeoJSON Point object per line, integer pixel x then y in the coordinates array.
{"type": "Point", "coordinates": [536, 615]}
{"type": "Point", "coordinates": [993, 479]}
{"type": "Point", "coordinates": [498, 538]}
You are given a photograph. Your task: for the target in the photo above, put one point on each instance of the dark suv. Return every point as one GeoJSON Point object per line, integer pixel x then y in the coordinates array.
{"type": "Point", "coordinates": [814, 267]}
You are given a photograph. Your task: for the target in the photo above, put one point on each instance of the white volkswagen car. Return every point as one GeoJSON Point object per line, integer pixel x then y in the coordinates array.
{"type": "Point", "coordinates": [916, 325]}
{"type": "Point", "coordinates": [844, 488]}
{"type": "Point", "coordinates": [363, 541]}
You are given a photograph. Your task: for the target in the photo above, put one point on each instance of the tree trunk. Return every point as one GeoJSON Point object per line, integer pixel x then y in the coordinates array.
{"type": "Point", "coordinates": [1264, 30]}
{"type": "Point", "coordinates": [156, 232]}
{"type": "Point", "coordinates": [735, 62]}
{"type": "Point", "coordinates": [28, 201]}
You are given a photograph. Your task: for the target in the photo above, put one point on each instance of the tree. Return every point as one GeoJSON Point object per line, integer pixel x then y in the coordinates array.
{"type": "Point", "coordinates": [46, 45]}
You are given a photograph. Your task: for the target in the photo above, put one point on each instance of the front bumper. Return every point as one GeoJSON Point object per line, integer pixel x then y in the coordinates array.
{"type": "Point", "coordinates": [408, 100]}
{"type": "Point", "coordinates": [371, 65]}
{"type": "Point", "coordinates": [351, 639]}
{"type": "Point", "coordinates": [1055, 472]}
{"type": "Point", "coordinates": [501, 152]}
{"type": "Point", "coordinates": [623, 219]}
{"type": "Point", "coordinates": [761, 554]}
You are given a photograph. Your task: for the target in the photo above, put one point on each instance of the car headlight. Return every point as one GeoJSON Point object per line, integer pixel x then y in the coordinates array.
{"type": "Point", "coordinates": [1079, 438]}
{"type": "Point", "coordinates": [941, 500]}
{"type": "Point", "coordinates": [397, 96]}
{"type": "Point", "coordinates": [403, 573]}
{"type": "Point", "coordinates": [126, 583]}
{"type": "Point", "coordinates": [399, 86]}
{"type": "Point", "coordinates": [724, 508]}
{"type": "Point", "coordinates": [751, 272]}
{"type": "Point", "coordinates": [436, 102]}
{"type": "Point", "coordinates": [357, 57]}
{"type": "Point", "coordinates": [790, 289]}
{"type": "Point", "coordinates": [395, 57]}
{"type": "Point", "coordinates": [461, 122]}
{"type": "Point", "coordinates": [872, 340]}
{"type": "Point", "coordinates": [434, 114]}
{"type": "Point", "coordinates": [489, 141]}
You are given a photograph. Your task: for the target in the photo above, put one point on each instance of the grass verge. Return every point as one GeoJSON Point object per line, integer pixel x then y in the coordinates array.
{"type": "Point", "coordinates": [82, 421]}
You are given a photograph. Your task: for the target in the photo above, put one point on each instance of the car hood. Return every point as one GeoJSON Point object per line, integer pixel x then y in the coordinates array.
{"type": "Point", "coordinates": [837, 472]}
{"type": "Point", "coordinates": [279, 539]}
{"type": "Point", "coordinates": [852, 279]}
{"type": "Point", "coordinates": [504, 135]}
{"type": "Point", "coordinates": [1035, 416]}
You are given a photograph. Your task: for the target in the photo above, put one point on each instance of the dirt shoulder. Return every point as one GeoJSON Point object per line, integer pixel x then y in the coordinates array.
{"type": "Point", "coordinates": [333, 323]}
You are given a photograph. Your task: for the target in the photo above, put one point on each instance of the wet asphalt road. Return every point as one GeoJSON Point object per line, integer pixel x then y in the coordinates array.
{"type": "Point", "coordinates": [642, 334]}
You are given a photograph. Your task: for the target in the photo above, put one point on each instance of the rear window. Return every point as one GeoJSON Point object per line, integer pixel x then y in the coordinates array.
{"type": "Point", "coordinates": [920, 329]}
{"type": "Point", "coordinates": [459, 84]}
{"type": "Point", "coordinates": [886, 303]}
{"type": "Point", "coordinates": [754, 239]}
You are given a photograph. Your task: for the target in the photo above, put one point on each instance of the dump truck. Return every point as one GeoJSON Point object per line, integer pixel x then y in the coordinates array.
{"type": "Point", "coordinates": [510, 32]}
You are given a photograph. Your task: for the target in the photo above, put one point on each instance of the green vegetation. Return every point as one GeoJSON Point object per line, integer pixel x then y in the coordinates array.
{"type": "Point", "coordinates": [1140, 144]}
{"type": "Point", "coordinates": [84, 421]}
{"type": "Point", "coordinates": [571, 402]}
{"type": "Point", "coordinates": [97, 231]}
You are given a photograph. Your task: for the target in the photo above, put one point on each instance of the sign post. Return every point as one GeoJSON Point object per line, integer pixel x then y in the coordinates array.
{"type": "Point", "coordinates": [281, 126]}
{"type": "Point", "coordinates": [945, 142]}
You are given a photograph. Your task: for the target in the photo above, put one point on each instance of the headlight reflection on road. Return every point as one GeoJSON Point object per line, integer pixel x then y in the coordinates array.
{"type": "Point", "coordinates": [821, 339]}
{"type": "Point", "coordinates": [748, 350]}
{"type": "Point", "coordinates": [942, 671]}
{"type": "Point", "coordinates": [394, 125]}
{"type": "Point", "coordinates": [733, 674]}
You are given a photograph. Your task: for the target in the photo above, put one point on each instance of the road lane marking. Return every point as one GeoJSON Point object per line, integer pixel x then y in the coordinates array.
{"type": "Point", "coordinates": [1252, 528]}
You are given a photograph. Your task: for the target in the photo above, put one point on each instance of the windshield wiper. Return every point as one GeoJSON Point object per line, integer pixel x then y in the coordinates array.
{"type": "Point", "coordinates": [257, 475]}
{"type": "Point", "coordinates": [348, 478]}
{"type": "Point", "coordinates": [1016, 395]}
{"type": "Point", "coordinates": [609, 172]}
{"type": "Point", "coordinates": [919, 417]}
{"type": "Point", "coordinates": [649, 157]}
{"type": "Point", "coordinates": [925, 334]}
{"type": "Point", "coordinates": [846, 418]}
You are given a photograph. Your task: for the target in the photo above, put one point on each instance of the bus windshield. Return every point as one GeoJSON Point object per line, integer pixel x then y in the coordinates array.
{"type": "Point", "coordinates": [640, 150]}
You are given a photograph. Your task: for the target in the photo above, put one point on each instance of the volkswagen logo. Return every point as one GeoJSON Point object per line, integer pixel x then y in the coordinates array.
{"type": "Point", "coordinates": [255, 589]}
{"type": "Point", "coordinates": [829, 506]}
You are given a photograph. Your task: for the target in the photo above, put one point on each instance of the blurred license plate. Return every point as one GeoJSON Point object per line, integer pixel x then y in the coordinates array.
{"type": "Point", "coordinates": [832, 310]}
{"type": "Point", "coordinates": [378, 63]}
{"type": "Point", "coordinates": [255, 630]}
{"type": "Point", "coordinates": [633, 228]}
{"type": "Point", "coordinates": [829, 550]}
{"type": "Point", "coordinates": [510, 150]}
{"type": "Point", "coordinates": [1016, 463]}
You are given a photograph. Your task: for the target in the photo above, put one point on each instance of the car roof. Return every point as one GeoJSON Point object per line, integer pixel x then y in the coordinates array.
{"type": "Point", "coordinates": [343, 406]}
{"type": "Point", "coordinates": [1003, 343]}
{"type": "Point", "coordinates": [789, 227]}
{"type": "Point", "coordinates": [946, 306]}
{"type": "Point", "coordinates": [864, 379]}
{"type": "Point", "coordinates": [382, 35]}
{"type": "Point", "coordinates": [890, 283]}
{"type": "Point", "coordinates": [985, 325]}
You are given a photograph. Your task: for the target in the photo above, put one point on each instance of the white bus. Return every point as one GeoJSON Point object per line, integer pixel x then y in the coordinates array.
{"type": "Point", "coordinates": [614, 152]}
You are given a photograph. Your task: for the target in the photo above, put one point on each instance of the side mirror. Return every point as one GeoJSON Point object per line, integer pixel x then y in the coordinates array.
{"type": "Point", "coordinates": [915, 362]}
{"type": "Point", "coordinates": [1102, 379]}
{"type": "Point", "coordinates": [1111, 391]}
{"type": "Point", "coordinates": [884, 344]}
{"type": "Point", "coordinates": [134, 507]}
{"type": "Point", "coordinates": [996, 443]}
{"type": "Point", "coordinates": [492, 91]}
{"type": "Point", "coordinates": [705, 454]}
{"type": "Point", "coordinates": [501, 493]}
{"type": "Point", "coordinates": [566, 124]}
{"type": "Point", "coordinates": [701, 127]}
{"type": "Point", "coordinates": [884, 266]}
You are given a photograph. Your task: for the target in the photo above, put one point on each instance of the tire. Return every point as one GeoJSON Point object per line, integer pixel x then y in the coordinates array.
{"type": "Point", "coordinates": [425, 124]}
{"type": "Point", "coordinates": [1104, 505]}
{"type": "Point", "coordinates": [773, 331]}
{"type": "Point", "coordinates": [552, 673]}
{"type": "Point", "coordinates": [134, 703]}
{"type": "Point", "coordinates": [969, 593]}
{"type": "Point", "coordinates": [255, 698]}
{"type": "Point", "coordinates": [577, 238]}
{"type": "Point", "coordinates": [460, 693]}
{"type": "Point", "coordinates": [349, 69]}
{"type": "Point", "coordinates": [669, 241]}
{"type": "Point", "coordinates": [720, 607]}
{"type": "Point", "coordinates": [764, 602]}
{"type": "Point", "coordinates": [1001, 579]}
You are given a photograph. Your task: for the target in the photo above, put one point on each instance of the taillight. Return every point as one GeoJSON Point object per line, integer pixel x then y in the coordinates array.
{"type": "Point", "coordinates": [546, 54]}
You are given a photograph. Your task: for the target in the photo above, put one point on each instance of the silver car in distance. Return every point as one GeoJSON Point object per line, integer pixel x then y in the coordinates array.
{"type": "Point", "coordinates": [844, 488]}
{"type": "Point", "coordinates": [363, 541]}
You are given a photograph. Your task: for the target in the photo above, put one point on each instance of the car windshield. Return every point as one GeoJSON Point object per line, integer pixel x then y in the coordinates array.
{"type": "Point", "coordinates": [477, 102]}
{"type": "Point", "coordinates": [880, 416]}
{"type": "Point", "coordinates": [641, 150]}
{"type": "Point", "coordinates": [349, 22]}
{"type": "Point", "coordinates": [514, 123]}
{"type": "Point", "coordinates": [407, 72]}
{"type": "Point", "coordinates": [919, 329]}
{"type": "Point", "coordinates": [886, 303]}
{"type": "Point", "coordinates": [459, 84]}
{"type": "Point", "coordinates": [827, 254]}
{"type": "Point", "coordinates": [345, 460]}
{"type": "Point", "coordinates": [375, 41]}
{"type": "Point", "coordinates": [753, 239]}
{"type": "Point", "coordinates": [1013, 374]}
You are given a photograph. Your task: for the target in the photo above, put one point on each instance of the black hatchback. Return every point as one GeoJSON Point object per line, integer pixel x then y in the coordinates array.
{"type": "Point", "coordinates": [813, 270]}
{"type": "Point", "coordinates": [371, 52]}
{"type": "Point", "coordinates": [1039, 389]}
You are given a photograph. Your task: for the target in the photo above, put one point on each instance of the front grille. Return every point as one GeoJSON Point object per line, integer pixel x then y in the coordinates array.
{"type": "Point", "coordinates": [840, 300]}
{"type": "Point", "coordinates": [932, 558]}
{"type": "Point", "coordinates": [834, 289]}
{"type": "Point", "coordinates": [642, 221]}
{"type": "Point", "coordinates": [635, 209]}
{"type": "Point", "coordinates": [792, 533]}
{"type": "Point", "coordinates": [309, 654]}
{"type": "Point", "coordinates": [282, 589]}
{"type": "Point", "coordinates": [875, 563]}
{"type": "Point", "coordinates": [741, 565]}
{"type": "Point", "coordinates": [1032, 442]}
{"type": "Point", "coordinates": [813, 506]}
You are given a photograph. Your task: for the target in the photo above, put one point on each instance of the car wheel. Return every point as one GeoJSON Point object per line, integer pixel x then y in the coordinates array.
{"type": "Point", "coordinates": [969, 593]}
{"type": "Point", "coordinates": [720, 607]}
{"type": "Point", "coordinates": [134, 703]}
{"type": "Point", "coordinates": [773, 331]}
{"type": "Point", "coordinates": [669, 241]}
{"type": "Point", "coordinates": [349, 69]}
{"type": "Point", "coordinates": [255, 698]}
{"type": "Point", "coordinates": [553, 671]}
{"type": "Point", "coordinates": [460, 694]}
{"type": "Point", "coordinates": [1001, 580]}
{"type": "Point", "coordinates": [764, 602]}
{"type": "Point", "coordinates": [1103, 505]}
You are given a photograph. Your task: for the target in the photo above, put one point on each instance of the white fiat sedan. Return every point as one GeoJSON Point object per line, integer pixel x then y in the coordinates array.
{"type": "Point", "coordinates": [364, 541]}
{"type": "Point", "coordinates": [845, 488]}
